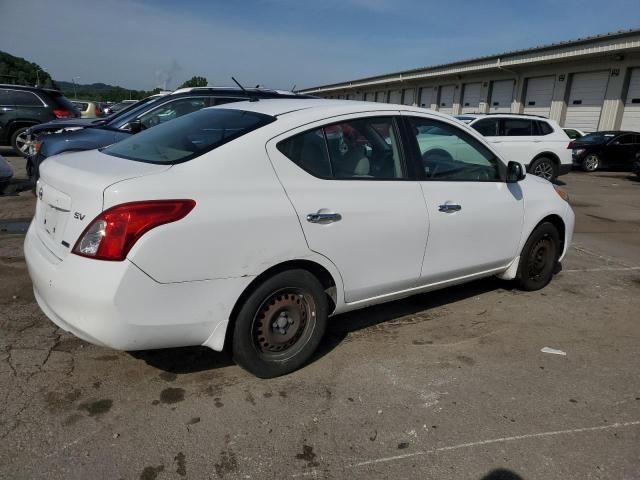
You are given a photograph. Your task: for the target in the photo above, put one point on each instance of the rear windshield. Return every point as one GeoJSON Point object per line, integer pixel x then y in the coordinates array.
{"type": "Point", "coordinates": [189, 136]}
{"type": "Point", "coordinates": [61, 100]}
{"type": "Point", "coordinates": [597, 137]}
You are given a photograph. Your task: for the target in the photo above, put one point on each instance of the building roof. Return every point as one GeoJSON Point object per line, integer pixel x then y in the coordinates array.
{"type": "Point", "coordinates": [504, 57]}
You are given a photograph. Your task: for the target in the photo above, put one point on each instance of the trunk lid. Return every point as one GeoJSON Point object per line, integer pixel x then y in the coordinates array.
{"type": "Point", "coordinates": [70, 193]}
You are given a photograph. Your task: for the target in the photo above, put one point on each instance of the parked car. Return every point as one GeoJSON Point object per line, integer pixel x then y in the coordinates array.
{"type": "Point", "coordinates": [6, 174]}
{"type": "Point", "coordinates": [247, 221]}
{"type": "Point", "coordinates": [88, 109]}
{"type": "Point", "coordinates": [536, 142]}
{"type": "Point", "coordinates": [574, 133]}
{"type": "Point", "coordinates": [22, 107]}
{"type": "Point", "coordinates": [116, 107]}
{"type": "Point", "coordinates": [610, 149]}
{"type": "Point", "coordinates": [162, 109]}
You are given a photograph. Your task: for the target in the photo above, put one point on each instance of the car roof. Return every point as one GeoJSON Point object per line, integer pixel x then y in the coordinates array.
{"type": "Point", "coordinates": [247, 92]}
{"type": "Point", "coordinates": [27, 87]}
{"type": "Point", "coordinates": [322, 108]}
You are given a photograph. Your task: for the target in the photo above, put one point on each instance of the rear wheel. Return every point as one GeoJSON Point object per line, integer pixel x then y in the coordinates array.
{"type": "Point", "coordinates": [280, 324]}
{"type": "Point", "coordinates": [591, 163]}
{"type": "Point", "coordinates": [544, 167]}
{"type": "Point", "coordinates": [538, 258]}
{"type": "Point", "coordinates": [21, 141]}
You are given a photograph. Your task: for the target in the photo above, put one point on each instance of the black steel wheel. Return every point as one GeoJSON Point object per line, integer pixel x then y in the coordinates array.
{"type": "Point", "coordinates": [539, 257]}
{"type": "Point", "coordinates": [280, 324]}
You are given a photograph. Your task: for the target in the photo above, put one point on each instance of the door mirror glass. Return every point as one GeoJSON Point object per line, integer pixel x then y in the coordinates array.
{"type": "Point", "coordinates": [515, 172]}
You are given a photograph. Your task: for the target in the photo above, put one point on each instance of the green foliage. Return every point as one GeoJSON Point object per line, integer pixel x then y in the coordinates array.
{"type": "Point", "coordinates": [195, 82]}
{"type": "Point", "coordinates": [102, 92]}
{"type": "Point", "coordinates": [22, 72]}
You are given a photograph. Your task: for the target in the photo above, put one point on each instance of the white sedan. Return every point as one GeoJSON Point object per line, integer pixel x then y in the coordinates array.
{"type": "Point", "coordinates": [249, 224]}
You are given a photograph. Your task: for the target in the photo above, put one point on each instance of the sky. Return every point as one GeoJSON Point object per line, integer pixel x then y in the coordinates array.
{"type": "Point", "coordinates": [143, 44]}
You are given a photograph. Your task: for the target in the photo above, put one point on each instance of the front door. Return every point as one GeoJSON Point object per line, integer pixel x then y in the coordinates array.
{"type": "Point", "coordinates": [357, 205]}
{"type": "Point", "coordinates": [475, 217]}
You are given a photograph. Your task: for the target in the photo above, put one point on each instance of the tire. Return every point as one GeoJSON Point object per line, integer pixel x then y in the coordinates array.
{"type": "Point", "coordinates": [545, 168]}
{"type": "Point", "coordinates": [591, 163]}
{"type": "Point", "coordinates": [20, 141]}
{"type": "Point", "coordinates": [280, 324]}
{"type": "Point", "coordinates": [539, 258]}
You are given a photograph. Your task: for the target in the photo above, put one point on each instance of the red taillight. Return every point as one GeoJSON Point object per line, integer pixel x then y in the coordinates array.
{"type": "Point", "coordinates": [98, 111]}
{"type": "Point", "coordinates": [112, 233]}
{"type": "Point", "coordinates": [63, 114]}
{"type": "Point", "coordinates": [570, 145]}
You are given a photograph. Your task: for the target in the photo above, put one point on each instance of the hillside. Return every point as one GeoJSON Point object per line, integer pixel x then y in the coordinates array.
{"type": "Point", "coordinates": [22, 72]}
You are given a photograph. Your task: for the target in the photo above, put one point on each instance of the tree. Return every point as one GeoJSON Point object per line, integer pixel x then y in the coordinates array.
{"type": "Point", "coordinates": [195, 82]}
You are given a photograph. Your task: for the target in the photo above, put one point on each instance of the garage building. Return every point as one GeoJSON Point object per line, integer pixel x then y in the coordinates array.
{"type": "Point", "coordinates": [590, 83]}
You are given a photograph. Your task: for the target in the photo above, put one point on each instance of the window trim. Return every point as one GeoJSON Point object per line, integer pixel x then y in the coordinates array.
{"type": "Point", "coordinates": [396, 121]}
{"type": "Point", "coordinates": [416, 157]}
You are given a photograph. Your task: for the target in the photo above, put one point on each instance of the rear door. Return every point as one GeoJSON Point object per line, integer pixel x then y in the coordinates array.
{"type": "Point", "coordinates": [516, 141]}
{"type": "Point", "coordinates": [7, 114]}
{"type": "Point", "coordinates": [356, 201]}
{"type": "Point", "coordinates": [475, 217]}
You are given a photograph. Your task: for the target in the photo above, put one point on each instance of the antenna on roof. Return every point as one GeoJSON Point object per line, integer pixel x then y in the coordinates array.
{"type": "Point", "coordinates": [252, 98]}
{"type": "Point", "coordinates": [293, 89]}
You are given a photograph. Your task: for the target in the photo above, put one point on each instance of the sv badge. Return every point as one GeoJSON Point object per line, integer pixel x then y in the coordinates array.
{"type": "Point", "coordinates": [78, 216]}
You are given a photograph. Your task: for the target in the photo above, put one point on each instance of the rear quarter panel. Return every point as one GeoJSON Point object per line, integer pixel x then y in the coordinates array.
{"type": "Point", "coordinates": [243, 222]}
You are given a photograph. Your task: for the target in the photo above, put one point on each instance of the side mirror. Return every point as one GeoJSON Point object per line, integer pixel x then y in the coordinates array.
{"type": "Point", "coordinates": [134, 126]}
{"type": "Point", "coordinates": [515, 172]}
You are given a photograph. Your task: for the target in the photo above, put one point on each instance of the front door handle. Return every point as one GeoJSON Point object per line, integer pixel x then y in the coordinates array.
{"type": "Point", "coordinates": [450, 208]}
{"type": "Point", "coordinates": [323, 215]}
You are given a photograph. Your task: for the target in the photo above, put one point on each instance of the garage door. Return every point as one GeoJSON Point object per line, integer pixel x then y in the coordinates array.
{"type": "Point", "coordinates": [471, 97]}
{"type": "Point", "coordinates": [381, 97]}
{"type": "Point", "coordinates": [409, 96]}
{"type": "Point", "coordinates": [539, 95]}
{"type": "Point", "coordinates": [501, 96]}
{"type": "Point", "coordinates": [585, 100]}
{"type": "Point", "coordinates": [395, 96]}
{"type": "Point", "coordinates": [445, 105]}
{"type": "Point", "coordinates": [631, 114]}
{"type": "Point", "coordinates": [426, 95]}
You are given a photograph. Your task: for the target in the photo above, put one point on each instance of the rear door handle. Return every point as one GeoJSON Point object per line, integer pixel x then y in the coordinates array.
{"type": "Point", "coordinates": [323, 215]}
{"type": "Point", "coordinates": [450, 208]}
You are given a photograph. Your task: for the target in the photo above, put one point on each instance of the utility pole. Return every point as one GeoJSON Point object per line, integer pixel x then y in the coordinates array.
{"type": "Point", "coordinates": [73, 79]}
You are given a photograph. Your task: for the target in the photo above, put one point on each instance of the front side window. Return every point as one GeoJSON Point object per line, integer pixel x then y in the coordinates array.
{"type": "Point", "coordinates": [189, 136]}
{"type": "Point", "coordinates": [516, 127]}
{"type": "Point", "coordinates": [624, 140]}
{"type": "Point", "coordinates": [171, 110]}
{"type": "Point", "coordinates": [361, 149]}
{"type": "Point", "coordinates": [487, 127]}
{"type": "Point", "coordinates": [448, 153]}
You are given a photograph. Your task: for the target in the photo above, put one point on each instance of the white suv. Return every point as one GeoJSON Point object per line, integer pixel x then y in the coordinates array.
{"type": "Point", "coordinates": [538, 143]}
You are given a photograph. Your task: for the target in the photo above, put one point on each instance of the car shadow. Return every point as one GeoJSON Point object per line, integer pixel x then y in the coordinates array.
{"type": "Point", "coordinates": [197, 359]}
{"type": "Point", "coordinates": [501, 474]}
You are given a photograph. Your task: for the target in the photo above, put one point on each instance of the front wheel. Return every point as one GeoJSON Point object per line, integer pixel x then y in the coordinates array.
{"type": "Point", "coordinates": [21, 141]}
{"type": "Point", "coordinates": [538, 258]}
{"type": "Point", "coordinates": [280, 324]}
{"type": "Point", "coordinates": [591, 163]}
{"type": "Point", "coordinates": [545, 168]}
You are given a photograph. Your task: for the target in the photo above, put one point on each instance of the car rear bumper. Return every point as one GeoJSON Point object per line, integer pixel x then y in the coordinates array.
{"type": "Point", "coordinates": [117, 305]}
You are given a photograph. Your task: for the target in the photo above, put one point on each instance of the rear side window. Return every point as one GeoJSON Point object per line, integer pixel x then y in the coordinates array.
{"type": "Point", "coordinates": [24, 99]}
{"type": "Point", "coordinates": [361, 149]}
{"type": "Point", "coordinates": [516, 127]}
{"type": "Point", "coordinates": [4, 98]}
{"type": "Point", "coordinates": [189, 136]}
{"type": "Point", "coordinates": [545, 129]}
{"type": "Point", "coordinates": [487, 127]}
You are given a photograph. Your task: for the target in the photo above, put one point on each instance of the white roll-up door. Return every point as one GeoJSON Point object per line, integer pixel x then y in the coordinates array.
{"type": "Point", "coordinates": [471, 97]}
{"type": "Point", "coordinates": [426, 96]}
{"type": "Point", "coordinates": [501, 96]}
{"type": "Point", "coordinates": [445, 103]}
{"type": "Point", "coordinates": [585, 100]}
{"type": "Point", "coordinates": [370, 97]}
{"type": "Point", "coordinates": [395, 96]}
{"type": "Point", "coordinates": [539, 95]}
{"type": "Point", "coordinates": [381, 97]}
{"type": "Point", "coordinates": [631, 114]}
{"type": "Point", "coordinates": [409, 96]}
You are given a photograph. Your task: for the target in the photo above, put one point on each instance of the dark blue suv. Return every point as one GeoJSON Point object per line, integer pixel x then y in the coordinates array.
{"type": "Point", "coordinates": [72, 136]}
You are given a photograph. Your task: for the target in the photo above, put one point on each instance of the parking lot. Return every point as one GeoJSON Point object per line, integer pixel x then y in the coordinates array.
{"type": "Point", "coordinates": [450, 385]}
